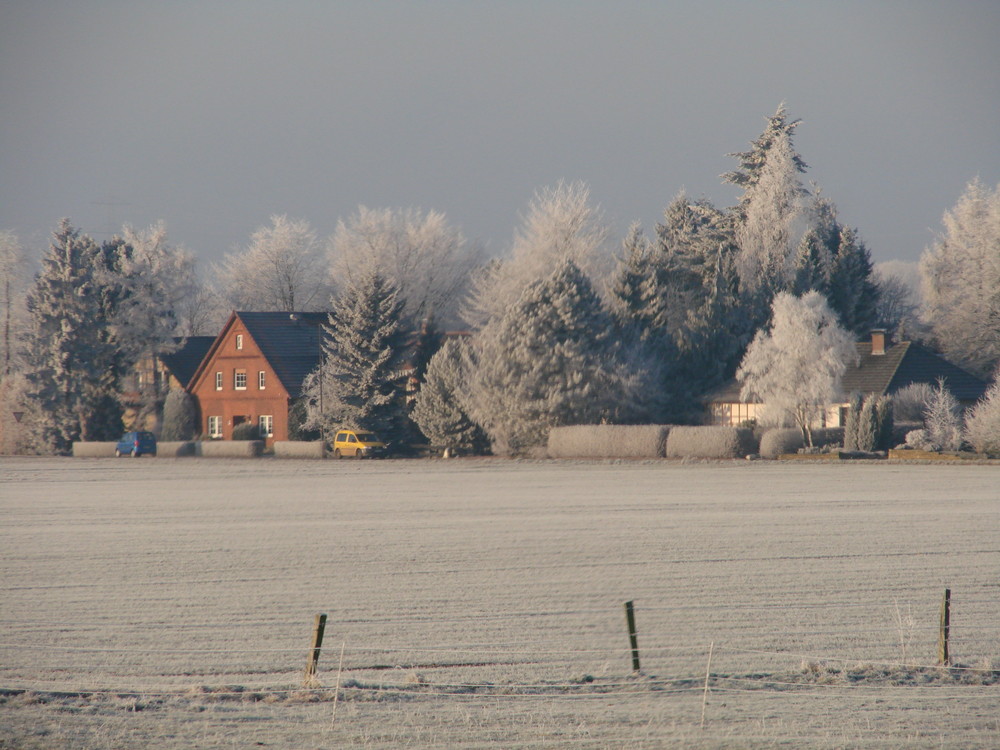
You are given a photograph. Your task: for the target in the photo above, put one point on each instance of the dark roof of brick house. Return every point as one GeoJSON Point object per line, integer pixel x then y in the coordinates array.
{"type": "Point", "coordinates": [901, 365]}
{"type": "Point", "coordinates": [289, 341]}
{"type": "Point", "coordinates": [183, 362]}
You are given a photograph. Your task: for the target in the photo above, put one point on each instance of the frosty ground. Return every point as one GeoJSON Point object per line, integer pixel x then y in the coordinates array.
{"type": "Point", "coordinates": [479, 603]}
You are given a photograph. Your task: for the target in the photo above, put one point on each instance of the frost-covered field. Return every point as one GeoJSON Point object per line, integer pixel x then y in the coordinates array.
{"type": "Point", "coordinates": [478, 603]}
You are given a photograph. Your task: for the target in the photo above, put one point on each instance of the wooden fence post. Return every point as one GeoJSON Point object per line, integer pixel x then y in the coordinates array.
{"type": "Point", "coordinates": [632, 638]}
{"type": "Point", "coordinates": [310, 676]}
{"type": "Point", "coordinates": [944, 659]}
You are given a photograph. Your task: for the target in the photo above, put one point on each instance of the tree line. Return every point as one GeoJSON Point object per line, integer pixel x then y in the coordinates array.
{"type": "Point", "coordinates": [567, 327]}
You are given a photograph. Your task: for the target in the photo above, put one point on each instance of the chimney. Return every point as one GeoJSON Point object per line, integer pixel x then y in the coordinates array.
{"type": "Point", "coordinates": [878, 342]}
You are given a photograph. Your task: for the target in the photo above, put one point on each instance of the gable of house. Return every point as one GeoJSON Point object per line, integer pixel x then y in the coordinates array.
{"type": "Point", "coordinates": [253, 371]}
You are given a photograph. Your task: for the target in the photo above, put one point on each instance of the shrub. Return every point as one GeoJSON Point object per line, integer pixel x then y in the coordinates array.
{"type": "Point", "coordinates": [942, 419]}
{"type": "Point", "coordinates": [710, 442]}
{"type": "Point", "coordinates": [608, 441]}
{"type": "Point", "coordinates": [869, 424]}
{"type": "Point", "coordinates": [782, 440]}
{"type": "Point", "coordinates": [982, 426]}
{"type": "Point", "coordinates": [178, 416]}
{"type": "Point", "coordinates": [909, 403]}
{"type": "Point", "coordinates": [246, 431]}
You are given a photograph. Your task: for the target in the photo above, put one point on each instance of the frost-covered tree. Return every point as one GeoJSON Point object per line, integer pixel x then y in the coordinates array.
{"type": "Point", "coordinates": [561, 224]}
{"type": "Point", "coordinates": [282, 269]}
{"type": "Point", "coordinates": [429, 261]}
{"type": "Point", "coordinates": [943, 419]}
{"type": "Point", "coordinates": [438, 409]}
{"type": "Point", "coordinates": [795, 367]}
{"type": "Point", "coordinates": [961, 281]}
{"type": "Point", "coordinates": [72, 365]}
{"type": "Point", "coordinates": [359, 383]}
{"type": "Point", "coordinates": [155, 278]}
{"type": "Point", "coordinates": [774, 217]}
{"type": "Point", "coordinates": [14, 275]}
{"type": "Point", "coordinates": [982, 423]}
{"type": "Point", "coordinates": [549, 361]}
{"type": "Point", "coordinates": [753, 161]}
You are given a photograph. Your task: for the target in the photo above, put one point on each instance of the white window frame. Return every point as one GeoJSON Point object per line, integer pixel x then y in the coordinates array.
{"type": "Point", "coordinates": [215, 427]}
{"type": "Point", "coordinates": [265, 425]}
{"type": "Point", "coordinates": [218, 380]}
{"type": "Point", "coordinates": [261, 380]}
{"type": "Point", "coordinates": [237, 380]}
{"type": "Point", "coordinates": [239, 341]}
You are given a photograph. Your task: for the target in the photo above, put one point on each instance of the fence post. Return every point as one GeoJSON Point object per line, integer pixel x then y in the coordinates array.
{"type": "Point", "coordinates": [632, 638]}
{"type": "Point", "coordinates": [944, 659]}
{"type": "Point", "coordinates": [310, 676]}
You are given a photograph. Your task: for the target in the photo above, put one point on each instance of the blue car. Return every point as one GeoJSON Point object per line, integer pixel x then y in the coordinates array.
{"type": "Point", "coordinates": [136, 444]}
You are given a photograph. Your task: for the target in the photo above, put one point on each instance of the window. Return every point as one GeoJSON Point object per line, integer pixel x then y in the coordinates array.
{"type": "Point", "coordinates": [239, 341]}
{"type": "Point", "coordinates": [218, 381]}
{"type": "Point", "coordinates": [240, 380]}
{"type": "Point", "coordinates": [261, 380]}
{"type": "Point", "coordinates": [265, 425]}
{"type": "Point", "coordinates": [215, 427]}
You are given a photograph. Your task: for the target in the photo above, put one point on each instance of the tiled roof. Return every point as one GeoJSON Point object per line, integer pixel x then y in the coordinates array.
{"type": "Point", "coordinates": [902, 364]}
{"type": "Point", "coordinates": [289, 341]}
{"type": "Point", "coordinates": [184, 361]}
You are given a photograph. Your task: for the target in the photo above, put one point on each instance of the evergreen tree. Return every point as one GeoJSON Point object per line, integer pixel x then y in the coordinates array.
{"type": "Point", "coordinates": [549, 361]}
{"type": "Point", "coordinates": [361, 379]}
{"type": "Point", "coordinates": [438, 409]}
{"type": "Point", "coordinates": [753, 162]}
{"type": "Point", "coordinates": [853, 290]}
{"type": "Point", "coordinates": [72, 365]}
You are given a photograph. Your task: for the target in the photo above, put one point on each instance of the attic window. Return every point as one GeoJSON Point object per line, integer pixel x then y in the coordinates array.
{"type": "Point", "coordinates": [239, 341]}
{"type": "Point", "coordinates": [240, 380]}
{"type": "Point", "coordinates": [218, 381]}
{"type": "Point", "coordinates": [261, 380]}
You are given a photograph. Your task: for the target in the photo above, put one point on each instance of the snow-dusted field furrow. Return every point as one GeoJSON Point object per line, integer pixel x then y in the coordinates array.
{"type": "Point", "coordinates": [162, 577]}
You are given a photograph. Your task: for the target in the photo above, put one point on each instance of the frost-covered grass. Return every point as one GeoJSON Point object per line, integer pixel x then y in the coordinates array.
{"type": "Point", "coordinates": [479, 603]}
{"type": "Point", "coordinates": [608, 441]}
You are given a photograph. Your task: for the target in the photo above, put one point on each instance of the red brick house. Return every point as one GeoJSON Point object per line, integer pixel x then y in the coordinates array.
{"type": "Point", "coordinates": [254, 370]}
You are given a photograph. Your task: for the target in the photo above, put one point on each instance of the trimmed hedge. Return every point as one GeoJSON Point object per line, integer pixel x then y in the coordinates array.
{"type": "Point", "coordinates": [781, 440]}
{"type": "Point", "coordinates": [710, 442]}
{"type": "Point", "coordinates": [299, 449]}
{"type": "Point", "coordinates": [174, 448]}
{"type": "Point", "coordinates": [229, 448]}
{"type": "Point", "coordinates": [608, 441]}
{"type": "Point", "coordinates": [91, 449]}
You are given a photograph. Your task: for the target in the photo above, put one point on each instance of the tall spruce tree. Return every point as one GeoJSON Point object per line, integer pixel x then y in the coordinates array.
{"type": "Point", "coordinates": [438, 409]}
{"type": "Point", "coordinates": [549, 361]}
{"type": "Point", "coordinates": [360, 382]}
{"type": "Point", "coordinates": [72, 365]}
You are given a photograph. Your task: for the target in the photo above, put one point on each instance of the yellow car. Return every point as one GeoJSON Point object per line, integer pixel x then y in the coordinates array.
{"type": "Point", "coordinates": [357, 444]}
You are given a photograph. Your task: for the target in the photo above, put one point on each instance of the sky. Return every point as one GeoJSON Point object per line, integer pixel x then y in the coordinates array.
{"type": "Point", "coordinates": [212, 116]}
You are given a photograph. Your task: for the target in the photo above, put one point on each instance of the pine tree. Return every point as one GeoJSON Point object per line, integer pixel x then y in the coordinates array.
{"type": "Point", "coordinates": [361, 379]}
{"type": "Point", "coordinates": [549, 361]}
{"type": "Point", "coordinates": [853, 289]}
{"type": "Point", "coordinates": [72, 365]}
{"type": "Point", "coordinates": [753, 162]}
{"type": "Point", "coordinates": [438, 409]}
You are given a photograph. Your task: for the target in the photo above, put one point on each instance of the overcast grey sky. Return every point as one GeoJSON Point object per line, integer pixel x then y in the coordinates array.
{"type": "Point", "coordinates": [214, 115]}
